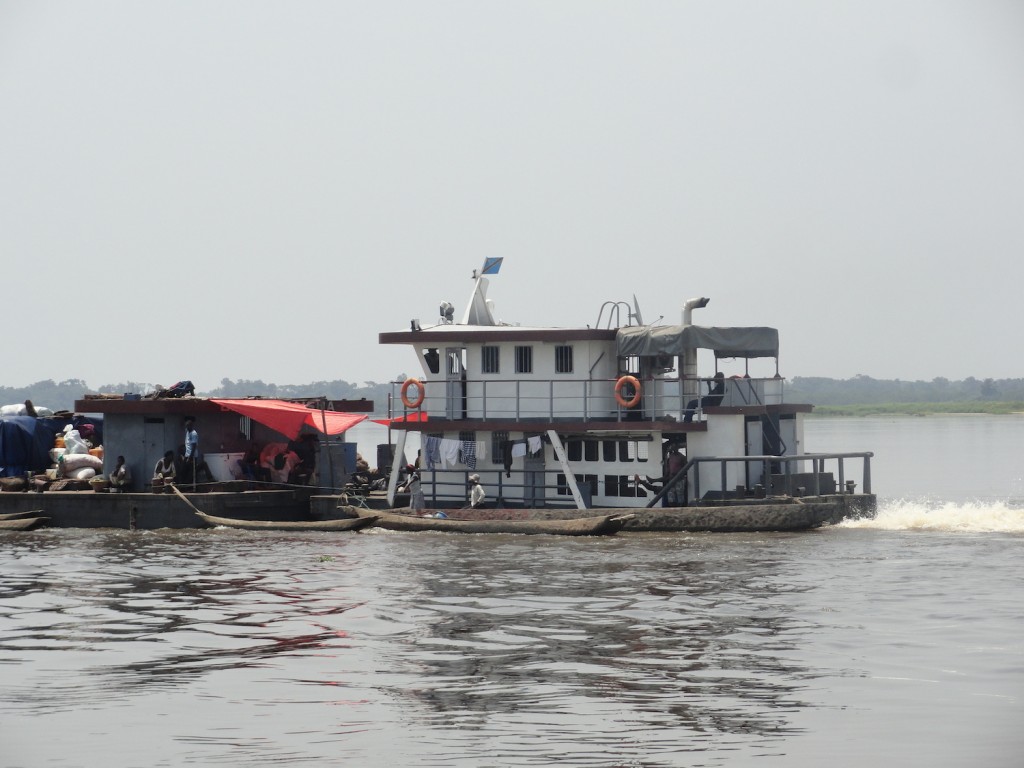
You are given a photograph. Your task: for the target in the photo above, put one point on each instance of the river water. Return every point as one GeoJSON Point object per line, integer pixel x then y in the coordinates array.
{"type": "Point", "coordinates": [897, 641]}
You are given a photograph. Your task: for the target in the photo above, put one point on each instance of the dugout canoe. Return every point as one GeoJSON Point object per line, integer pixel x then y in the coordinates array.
{"type": "Point", "coordinates": [600, 525]}
{"type": "Point", "coordinates": [19, 515]}
{"type": "Point", "coordinates": [21, 524]}
{"type": "Point", "coordinates": [342, 524]}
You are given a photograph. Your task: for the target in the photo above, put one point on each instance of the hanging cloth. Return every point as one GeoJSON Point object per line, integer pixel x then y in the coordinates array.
{"type": "Point", "coordinates": [468, 448]}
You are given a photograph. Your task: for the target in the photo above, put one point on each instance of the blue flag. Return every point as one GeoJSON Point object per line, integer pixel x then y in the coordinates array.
{"type": "Point", "coordinates": [491, 266]}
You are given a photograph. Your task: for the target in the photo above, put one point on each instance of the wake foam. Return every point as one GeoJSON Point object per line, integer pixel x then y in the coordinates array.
{"type": "Point", "coordinates": [966, 517]}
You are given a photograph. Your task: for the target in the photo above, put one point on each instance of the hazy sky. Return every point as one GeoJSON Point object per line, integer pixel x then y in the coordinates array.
{"type": "Point", "coordinates": [255, 190]}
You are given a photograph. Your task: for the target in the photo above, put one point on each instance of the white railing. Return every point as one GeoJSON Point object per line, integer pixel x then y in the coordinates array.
{"type": "Point", "coordinates": [575, 399]}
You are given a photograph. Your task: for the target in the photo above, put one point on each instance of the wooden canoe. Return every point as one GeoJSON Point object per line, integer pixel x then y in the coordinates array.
{"type": "Point", "coordinates": [344, 524]}
{"type": "Point", "coordinates": [601, 525]}
{"type": "Point", "coordinates": [21, 524]}
{"type": "Point", "coordinates": [17, 515]}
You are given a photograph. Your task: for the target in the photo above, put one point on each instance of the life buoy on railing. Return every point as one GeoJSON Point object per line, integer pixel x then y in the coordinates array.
{"type": "Point", "coordinates": [421, 391]}
{"type": "Point", "coordinates": [622, 382]}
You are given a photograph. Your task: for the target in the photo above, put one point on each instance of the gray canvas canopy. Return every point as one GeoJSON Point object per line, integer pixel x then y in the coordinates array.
{"type": "Point", "coordinates": [645, 340]}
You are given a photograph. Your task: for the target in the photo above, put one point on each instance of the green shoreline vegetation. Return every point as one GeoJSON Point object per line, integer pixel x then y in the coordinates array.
{"type": "Point", "coordinates": [857, 396]}
{"type": "Point", "coordinates": [918, 409]}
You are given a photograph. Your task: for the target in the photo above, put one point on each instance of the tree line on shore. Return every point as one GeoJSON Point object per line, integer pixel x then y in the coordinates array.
{"type": "Point", "coordinates": [857, 391]}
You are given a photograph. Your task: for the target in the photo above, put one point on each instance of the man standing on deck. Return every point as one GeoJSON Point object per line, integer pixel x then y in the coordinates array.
{"type": "Point", "coordinates": [476, 493]}
{"type": "Point", "coordinates": [191, 450]}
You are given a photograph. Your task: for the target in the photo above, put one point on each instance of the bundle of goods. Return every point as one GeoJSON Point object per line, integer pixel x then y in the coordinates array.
{"type": "Point", "coordinates": [79, 466]}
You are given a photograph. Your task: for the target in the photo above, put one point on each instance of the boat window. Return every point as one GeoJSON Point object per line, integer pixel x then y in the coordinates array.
{"type": "Point", "coordinates": [587, 481]}
{"type": "Point", "coordinates": [432, 359]}
{"type": "Point", "coordinates": [608, 450]}
{"type": "Point", "coordinates": [630, 365]}
{"type": "Point", "coordinates": [561, 486]}
{"type": "Point", "coordinates": [524, 359]}
{"type": "Point", "coordinates": [563, 359]}
{"type": "Point", "coordinates": [625, 454]}
{"type": "Point", "coordinates": [574, 449]}
{"type": "Point", "coordinates": [489, 360]}
{"type": "Point", "coordinates": [619, 485]}
{"type": "Point", "coordinates": [590, 450]}
{"type": "Point", "coordinates": [583, 482]}
{"type": "Point", "coordinates": [632, 450]}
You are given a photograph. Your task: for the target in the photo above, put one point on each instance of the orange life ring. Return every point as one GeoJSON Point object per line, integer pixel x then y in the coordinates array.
{"type": "Point", "coordinates": [623, 381]}
{"type": "Point", "coordinates": [419, 397]}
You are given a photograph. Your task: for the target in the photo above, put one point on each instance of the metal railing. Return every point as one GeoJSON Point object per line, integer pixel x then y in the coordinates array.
{"type": "Point", "coordinates": [581, 399]}
{"type": "Point", "coordinates": [452, 490]}
{"type": "Point", "coordinates": [786, 465]}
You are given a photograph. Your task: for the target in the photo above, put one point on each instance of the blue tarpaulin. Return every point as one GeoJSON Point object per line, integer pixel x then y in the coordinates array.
{"type": "Point", "coordinates": [25, 444]}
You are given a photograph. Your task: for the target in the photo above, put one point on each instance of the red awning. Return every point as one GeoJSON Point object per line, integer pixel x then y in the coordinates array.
{"type": "Point", "coordinates": [289, 418]}
{"type": "Point", "coordinates": [415, 416]}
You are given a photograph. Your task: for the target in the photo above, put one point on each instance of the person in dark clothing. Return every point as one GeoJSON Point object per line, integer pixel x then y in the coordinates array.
{"type": "Point", "coordinates": [716, 391]}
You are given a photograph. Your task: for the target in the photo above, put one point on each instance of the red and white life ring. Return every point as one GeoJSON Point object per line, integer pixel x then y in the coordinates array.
{"type": "Point", "coordinates": [622, 382]}
{"type": "Point", "coordinates": [421, 391]}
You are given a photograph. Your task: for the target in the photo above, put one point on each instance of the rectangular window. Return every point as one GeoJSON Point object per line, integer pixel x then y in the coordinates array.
{"type": "Point", "coordinates": [582, 482]}
{"type": "Point", "coordinates": [563, 359]}
{"type": "Point", "coordinates": [489, 360]}
{"type": "Point", "coordinates": [619, 485]}
{"type": "Point", "coordinates": [624, 452]}
{"type": "Point", "coordinates": [524, 359]}
{"type": "Point", "coordinates": [574, 449]}
{"type": "Point", "coordinates": [499, 442]}
{"type": "Point", "coordinates": [587, 481]}
{"type": "Point", "coordinates": [585, 450]}
{"type": "Point", "coordinates": [611, 485]}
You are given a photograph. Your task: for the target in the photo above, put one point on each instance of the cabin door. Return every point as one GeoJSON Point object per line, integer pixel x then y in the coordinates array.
{"type": "Point", "coordinates": [533, 479]}
{"type": "Point", "coordinates": [154, 443]}
{"type": "Point", "coordinates": [455, 384]}
{"type": "Point", "coordinates": [755, 447]}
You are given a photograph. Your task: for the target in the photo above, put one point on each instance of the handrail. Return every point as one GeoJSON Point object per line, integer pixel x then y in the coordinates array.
{"type": "Point", "coordinates": [817, 460]}
{"type": "Point", "coordinates": [453, 490]}
{"type": "Point", "coordinates": [493, 398]}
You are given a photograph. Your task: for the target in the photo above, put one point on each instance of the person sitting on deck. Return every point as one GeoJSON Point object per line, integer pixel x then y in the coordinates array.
{"type": "Point", "coordinates": [714, 397]}
{"type": "Point", "coordinates": [304, 449]}
{"type": "Point", "coordinates": [121, 477]}
{"type": "Point", "coordinates": [165, 471]}
{"type": "Point", "coordinates": [250, 467]}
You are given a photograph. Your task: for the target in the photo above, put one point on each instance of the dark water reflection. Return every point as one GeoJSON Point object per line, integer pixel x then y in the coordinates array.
{"type": "Point", "coordinates": [239, 648]}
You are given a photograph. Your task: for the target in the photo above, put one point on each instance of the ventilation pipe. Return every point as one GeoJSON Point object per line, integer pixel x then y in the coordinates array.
{"type": "Point", "coordinates": [688, 363]}
{"type": "Point", "coordinates": [691, 305]}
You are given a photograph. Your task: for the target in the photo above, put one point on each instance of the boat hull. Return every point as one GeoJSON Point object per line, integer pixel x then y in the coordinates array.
{"type": "Point", "coordinates": [150, 511]}
{"type": "Point", "coordinates": [781, 514]}
{"type": "Point", "coordinates": [599, 525]}
{"type": "Point", "coordinates": [87, 509]}
{"type": "Point", "coordinates": [21, 524]}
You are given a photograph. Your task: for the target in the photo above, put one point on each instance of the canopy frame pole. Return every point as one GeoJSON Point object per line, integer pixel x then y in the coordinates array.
{"type": "Point", "coordinates": [395, 468]}
{"type": "Point", "coordinates": [327, 440]}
